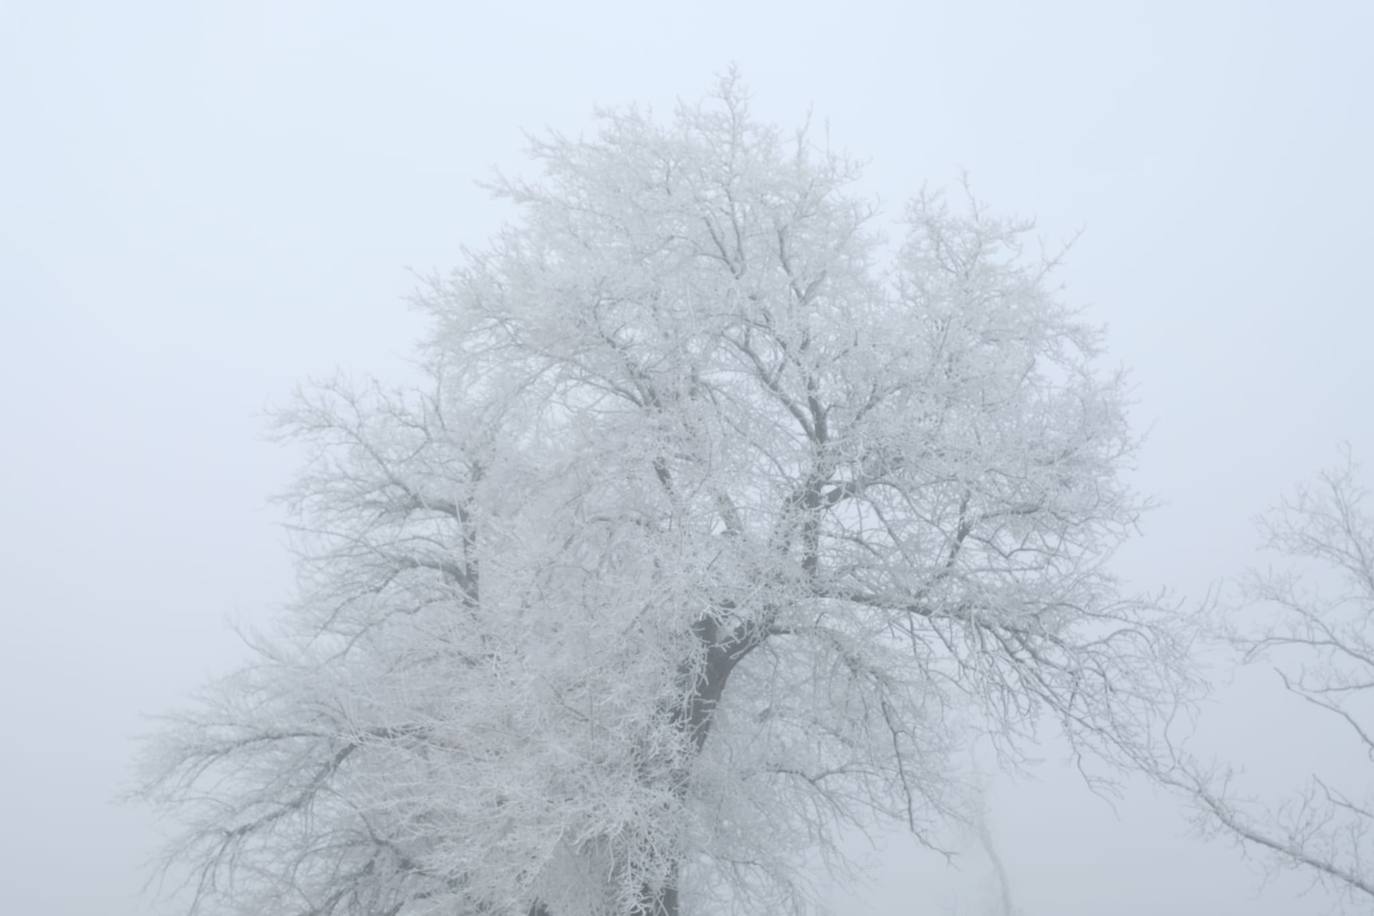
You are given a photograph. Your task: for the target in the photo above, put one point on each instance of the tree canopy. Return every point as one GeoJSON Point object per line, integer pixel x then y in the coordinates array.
{"type": "Point", "coordinates": [717, 524]}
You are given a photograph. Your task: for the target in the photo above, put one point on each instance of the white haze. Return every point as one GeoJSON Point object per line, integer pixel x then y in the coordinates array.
{"type": "Point", "coordinates": [202, 203]}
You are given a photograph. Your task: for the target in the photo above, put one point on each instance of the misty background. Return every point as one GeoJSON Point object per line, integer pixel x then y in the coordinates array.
{"type": "Point", "coordinates": [203, 203]}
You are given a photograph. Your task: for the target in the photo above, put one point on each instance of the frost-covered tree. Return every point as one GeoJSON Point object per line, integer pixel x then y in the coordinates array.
{"type": "Point", "coordinates": [714, 519]}
{"type": "Point", "coordinates": [1312, 620]}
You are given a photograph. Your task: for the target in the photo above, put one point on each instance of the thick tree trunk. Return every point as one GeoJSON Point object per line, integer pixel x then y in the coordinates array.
{"type": "Point", "coordinates": [724, 650]}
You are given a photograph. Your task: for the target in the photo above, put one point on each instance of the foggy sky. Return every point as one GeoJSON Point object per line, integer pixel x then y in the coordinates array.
{"type": "Point", "coordinates": [202, 203]}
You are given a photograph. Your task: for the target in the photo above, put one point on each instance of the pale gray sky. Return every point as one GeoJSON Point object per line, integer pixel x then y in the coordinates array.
{"type": "Point", "coordinates": [202, 202]}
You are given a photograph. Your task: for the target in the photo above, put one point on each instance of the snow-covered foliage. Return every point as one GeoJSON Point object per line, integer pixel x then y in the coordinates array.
{"type": "Point", "coordinates": [717, 517]}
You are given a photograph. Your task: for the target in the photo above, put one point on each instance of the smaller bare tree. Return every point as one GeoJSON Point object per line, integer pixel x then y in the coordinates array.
{"type": "Point", "coordinates": [1313, 621]}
